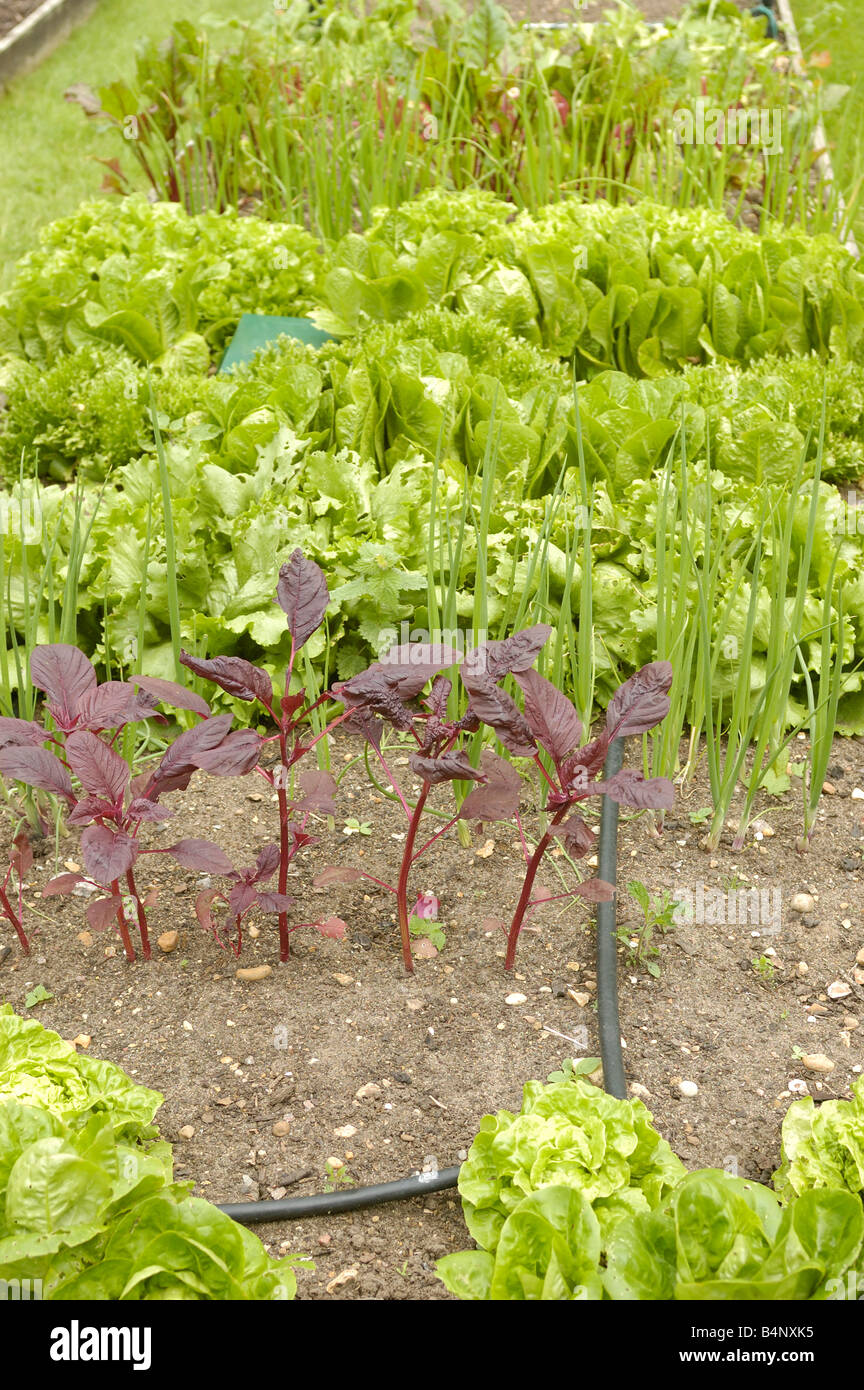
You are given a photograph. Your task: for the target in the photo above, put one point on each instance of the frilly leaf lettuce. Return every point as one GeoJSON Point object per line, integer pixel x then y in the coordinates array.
{"type": "Point", "coordinates": [569, 1134]}
{"type": "Point", "coordinates": [88, 1204]}
{"type": "Point", "coordinates": [823, 1146]}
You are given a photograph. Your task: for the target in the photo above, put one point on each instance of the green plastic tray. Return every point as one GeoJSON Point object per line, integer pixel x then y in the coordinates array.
{"type": "Point", "coordinates": [254, 331]}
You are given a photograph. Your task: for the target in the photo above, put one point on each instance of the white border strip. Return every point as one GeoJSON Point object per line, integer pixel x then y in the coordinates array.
{"type": "Point", "coordinates": [31, 40]}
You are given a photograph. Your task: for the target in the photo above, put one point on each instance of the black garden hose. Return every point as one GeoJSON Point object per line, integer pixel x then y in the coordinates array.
{"type": "Point", "coordinates": [607, 938]}
{"type": "Point", "coordinates": [419, 1184]}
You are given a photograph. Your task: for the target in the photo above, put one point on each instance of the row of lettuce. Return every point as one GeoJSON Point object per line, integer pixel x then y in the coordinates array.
{"type": "Point", "coordinates": [89, 1207]}
{"type": "Point", "coordinates": [576, 1197]}
{"type": "Point", "coordinates": [459, 331]}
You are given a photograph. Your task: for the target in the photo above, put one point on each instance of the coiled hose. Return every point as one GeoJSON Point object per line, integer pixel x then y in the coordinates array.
{"type": "Point", "coordinates": [419, 1184]}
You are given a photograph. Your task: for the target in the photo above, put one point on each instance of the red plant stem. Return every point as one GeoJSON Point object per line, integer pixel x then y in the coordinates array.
{"type": "Point", "coordinates": [142, 915]}
{"type": "Point", "coordinates": [402, 885]}
{"type": "Point", "coordinates": [15, 920]}
{"type": "Point", "coordinates": [284, 847]}
{"type": "Point", "coordinates": [122, 924]}
{"type": "Point", "coordinates": [525, 895]}
{"type": "Point", "coordinates": [438, 833]}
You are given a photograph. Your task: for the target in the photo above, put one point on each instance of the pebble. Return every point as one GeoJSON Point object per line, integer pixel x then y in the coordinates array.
{"type": "Point", "coordinates": [187, 1132]}
{"type": "Point", "coordinates": [254, 972]}
{"type": "Point", "coordinates": [859, 959]}
{"type": "Point", "coordinates": [82, 1040]}
{"type": "Point", "coordinates": [803, 902]}
{"type": "Point", "coordinates": [344, 1277]}
{"type": "Point", "coordinates": [818, 1009]}
{"type": "Point", "coordinates": [857, 794]}
{"type": "Point", "coordinates": [168, 941]}
{"type": "Point", "coordinates": [802, 967]}
{"type": "Point", "coordinates": [817, 1061]}
{"type": "Point", "coordinates": [838, 989]}
{"type": "Point", "coordinates": [580, 997]}
{"type": "Point", "coordinates": [829, 789]}
{"type": "Point", "coordinates": [369, 1091]}
{"type": "Point", "coordinates": [281, 1128]}
{"type": "Point", "coordinates": [424, 949]}
{"type": "Point", "coordinates": [798, 1087]}
{"type": "Point", "coordinates": [86, 938]}
{"type": "Point", "coordinates": [850, 1022]}
{"type": "Point", "coordinates": [688, 1089]}
{"type": "Point", "coordinates": [187, 1026]}
{"type": "Point", "coordinates": [641, 1092]}
{"type": "Point", "coordinates": [345, 1131]}
{"type": "Point", "coordinates": [516, 999]}
{"type": "Point", "coordinates": [341, 979]}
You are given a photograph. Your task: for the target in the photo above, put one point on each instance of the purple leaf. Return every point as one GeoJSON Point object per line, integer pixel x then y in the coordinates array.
{"type": "Point", "coordinates": [234, 675]}
{"type": "Point", "coordinates": [38, 768]}
{"type": "Point", "coordinates": [515, 654]}
{"type": "Point", "coordinates": [177, 765]}
{"type": "Point", "coordinates": [21, 855]}
{"type": "Point", "coordinates": [551, 717]}
{"type": "Point", "coordinates": [335, 873]}
{"type": "Point", "coordinates": [112, 705]}
{"type": "Point", "coordinates": [498, 799]}
{"type": "Point", "coordinates": [577, 836]}
{"type": "Point", "coordinates": [333, 927]}
{"type": "Point", "coordinates": [585, 765]}
{"type": "Point", "coordinates": [63, 883]}
{"type": "Point", "coordinates": [303, 596]}
{"type": "Point", "coordinates": [101, 912]}
{"type": "Point", "coordinates": [172, 693]}
{"type": "Point", "coordinates": [413, 664]}
{"type": "Point", "coordinates": [241, 898]}
{"type": "Point", "coordinates": [107, 855]}
{"type": "Point", "coordinates": [101, 771]}
{"type": "Point", "coordinates": [203, 855]}
{"type": "Point", "coordinates": [630, 788]}
{"type": "Point", "coordinates": [451, 766]}
{"type": "Point", "coordinates": [142, 809]}
{"type": "Point", "coordinates": [20, 733]}
{"type": "Point", "coordinates": [641, 702]}
{"type": "Point", "coordinates": [495, 708]}
{"type": "Point", "coordinates": [426, 907]}
{"type": "Point", "coordinates": [595, 890]}
{"type": "Point", "coordinates": [65, 674]}
{"type": "Point", "coordinates": [318, 788]}
{"type": "Point", "coordinates": [267, 862]}
{"type": "Point", "coordinates": [91, 808]}
{"type": "Point", "coordinates": [374, 692]}
{"type": "Point", "coordinates": [236, 755]}
{"type": "Point", "coordinates": [274, 902]}
{"type": "Point", "coordinates": [202, 907]}
{"type": "Point", "coordinates": [439, 695]}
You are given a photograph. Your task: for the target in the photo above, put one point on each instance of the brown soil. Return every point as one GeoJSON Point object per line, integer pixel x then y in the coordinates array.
{"type": "Point", "coordinates": [235, 1058]}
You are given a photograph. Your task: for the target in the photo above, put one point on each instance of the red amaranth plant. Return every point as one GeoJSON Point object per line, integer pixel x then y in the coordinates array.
{"type": "Point", "coordinates": [303, 596]}
{"type": "Point", "coordinates": [83, 769]}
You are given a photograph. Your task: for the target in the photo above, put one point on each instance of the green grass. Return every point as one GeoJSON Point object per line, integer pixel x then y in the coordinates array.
{"type": "Point", "coordinates": [47, 145]}
{"type": "Point", "coordinates": [836, 26]}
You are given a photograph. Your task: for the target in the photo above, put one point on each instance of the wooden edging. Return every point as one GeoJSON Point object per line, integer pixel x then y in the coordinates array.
{"type": "Point", "coordinates": [33, 39]}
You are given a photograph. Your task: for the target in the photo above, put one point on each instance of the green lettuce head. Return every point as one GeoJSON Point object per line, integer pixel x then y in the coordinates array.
{"type": "Point", "coordinates": [571, 1135]}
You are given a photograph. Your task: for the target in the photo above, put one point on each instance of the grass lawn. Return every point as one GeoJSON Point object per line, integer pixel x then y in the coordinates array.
{"type": "Point", "coordinates": [46, 143]}
{"type": "Point", "coordinates": [838, 27]}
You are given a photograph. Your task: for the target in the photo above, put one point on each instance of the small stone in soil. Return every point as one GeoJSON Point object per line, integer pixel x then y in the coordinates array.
{"type": "Point", "coordinates": [187, 1132]}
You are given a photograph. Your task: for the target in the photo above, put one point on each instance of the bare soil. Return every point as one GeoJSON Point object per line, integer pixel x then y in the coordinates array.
{"type": "Point", "coordinates": [234, 1058]}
